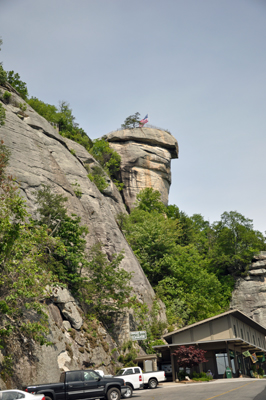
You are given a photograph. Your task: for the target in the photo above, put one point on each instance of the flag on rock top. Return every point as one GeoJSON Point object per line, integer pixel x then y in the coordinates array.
{"type": "Point", "coordinates": [144, 120]}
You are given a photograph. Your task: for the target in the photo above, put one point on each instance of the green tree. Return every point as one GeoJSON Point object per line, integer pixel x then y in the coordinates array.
{"type": "Point", "coordinates": [23, 276]}
{"type": "Point", "coordinates": [108, 287]}
{"type": "Point", "coordinates": [149, 200]}
{"type": "Point", "coordinates": [190, 282]}
{"type": "Point", "coordinates": [67, 260]}
{"type": "Point", "coordinates": [131, 121]}
{"type": "Point", "coordinates": [235, 242]}
{"type": "Point", "coordinates": [108, 158]}
{"type": "Point", "coordinates": [151, 236]}
{"type": "Point", "coordinates": [15, 81]}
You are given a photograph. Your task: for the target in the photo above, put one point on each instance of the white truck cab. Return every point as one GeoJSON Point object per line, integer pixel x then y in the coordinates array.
{"type": "Point", "coordinates": [135, 378]}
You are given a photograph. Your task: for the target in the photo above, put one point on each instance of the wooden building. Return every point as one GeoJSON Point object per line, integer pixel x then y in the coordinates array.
{"type": "Point", "coordinates": [225, 337]}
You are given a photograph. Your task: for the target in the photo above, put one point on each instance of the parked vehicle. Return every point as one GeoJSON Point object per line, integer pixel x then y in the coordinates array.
{"type": "Point", "coordinates": [85, 384]}
{"type": "Point", "coordinates": [15, 394]}
{"type": "Point", "coordinates": [137, 379]}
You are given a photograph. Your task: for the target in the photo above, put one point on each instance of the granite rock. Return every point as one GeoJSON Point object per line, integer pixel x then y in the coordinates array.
{"type": "Point", "coordinates": [146, 155]}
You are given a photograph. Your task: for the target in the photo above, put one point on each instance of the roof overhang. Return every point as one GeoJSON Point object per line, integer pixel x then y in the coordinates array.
{"type": "Point", "coordinates": [236, 341]}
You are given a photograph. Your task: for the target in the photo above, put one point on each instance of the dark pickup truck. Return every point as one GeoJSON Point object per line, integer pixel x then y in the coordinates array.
{"type": "Point", "coordinates": [78, 385]}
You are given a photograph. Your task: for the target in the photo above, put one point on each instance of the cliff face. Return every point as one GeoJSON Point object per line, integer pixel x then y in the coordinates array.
{"type": "Point", "coordinates": [146, 155]}
{"type": "Point", "coordinates": [249, 295]}
{"type": "Point", "coordinates": [39, 155]}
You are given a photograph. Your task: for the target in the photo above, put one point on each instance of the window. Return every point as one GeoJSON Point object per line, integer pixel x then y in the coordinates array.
{"type": "Point", "coordinates": [254, 340]}
{"type": "Point", "coordinates": [74, 376]}
{"type": "Point", "coordinates": [242, 336]}
{"type": "Point", "coordinates": [248, 336]}
{"type": "Point", "coordinates": [129, 372]}
{"type": "Point", "coordinates": [136, 370]}
{"type": "Point", "coordinates": [12, 395]}
{"type": "Point", "coordinates": [91, 376]}
{"type": "Point", "coordinates": [235, 331]}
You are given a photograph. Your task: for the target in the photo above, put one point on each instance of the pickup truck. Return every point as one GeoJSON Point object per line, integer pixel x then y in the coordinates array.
{"type": "Point", "coordinates": [137, 379]}
{"type": "Point", "coordinates": [85, 384]}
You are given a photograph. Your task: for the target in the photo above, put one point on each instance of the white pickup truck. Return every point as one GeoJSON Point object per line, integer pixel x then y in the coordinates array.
{"type": "Point", "coordinates": [137, 379]}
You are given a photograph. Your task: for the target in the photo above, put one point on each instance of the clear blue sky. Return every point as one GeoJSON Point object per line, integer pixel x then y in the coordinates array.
{"type": "Point", "coordinates": [198, 67]}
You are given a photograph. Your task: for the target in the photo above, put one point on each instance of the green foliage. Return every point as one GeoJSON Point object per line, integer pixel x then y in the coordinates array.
{"type": "Point", "coordinates": [63, 118]}
{"type": "Point", "coordinates": [150, 200]}
{"type": "Point", "coordinates": [66, 260]}
{"type": "Point", "coordinates": [151, 236]}
{"type": "Point", "coordinates": [3, 75]}
{"type": "Point", "coordinates": [97, 176]}
{"type": "Point", "coordinates": [190, 263]}
{"type": "Point", "coordinates": [131, 121]}
{"type": "Point", "coordinates": [6, 96]}
{"type": "Point", "coordinates": [77, 189]}
{"type": "Point", "coordinates": [108, 287]}
{"type": "Point", "coordinates": [15, 81]}
{"type": "Point", "coordinates": [6, 367]}
{"type": "Point", "coordinates": [235, 242]}
{"type": "Point", "coordinates": [128, 355]}
{"type": "Point", "coordinates": [108, 158]}
{"type": "Point", "coordinates": [2, 115]}
{"type": "Point", "coordinates": [23, 275]}
{"type": "Point", "coordinates": [22, 106]}
{"type": "Point", "coordinates": [47, 111]}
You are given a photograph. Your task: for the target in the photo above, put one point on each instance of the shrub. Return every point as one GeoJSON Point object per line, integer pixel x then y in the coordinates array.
{"type": "Point", "coordinates": [6, 96]}
{"type": "Point", "coordinates": [97, 176]}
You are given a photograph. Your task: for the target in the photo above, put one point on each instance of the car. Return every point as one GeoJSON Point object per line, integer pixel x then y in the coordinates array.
{"type": "Point", "coordinates": [14, 394]}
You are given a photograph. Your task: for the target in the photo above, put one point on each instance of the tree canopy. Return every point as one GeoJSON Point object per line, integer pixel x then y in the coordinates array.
{"type": "Point", "coordinates": [131, 121]}
{"type": "Point", "coordinates": [190, 263]}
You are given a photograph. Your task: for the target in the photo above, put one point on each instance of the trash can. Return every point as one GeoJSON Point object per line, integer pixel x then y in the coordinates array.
{"type": "Point", "coordinates": [228, 372]}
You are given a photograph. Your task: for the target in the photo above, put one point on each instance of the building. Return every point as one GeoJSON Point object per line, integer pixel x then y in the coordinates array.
{"type": "Point", "coordinates": [226, 338]}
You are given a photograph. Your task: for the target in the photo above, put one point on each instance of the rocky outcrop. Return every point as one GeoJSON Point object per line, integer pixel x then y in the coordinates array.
{"type": "Point", "coordinates": [39, 155]}
{"type": "Point", "coordinates": [249, 295]}
{"type": "Point", "coordinates": [146, 155]}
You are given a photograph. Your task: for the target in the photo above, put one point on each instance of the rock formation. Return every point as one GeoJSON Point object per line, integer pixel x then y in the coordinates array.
{"type": "Point", "coordinates": [39, 155]}
{"type": "Point", "coordinates": [249, 295]}
{"type": "Point", "coordinates": [146, 155]}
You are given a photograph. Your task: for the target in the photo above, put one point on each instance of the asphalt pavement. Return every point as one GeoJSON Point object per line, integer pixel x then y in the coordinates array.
{"type": "Point", "coordinates": [220, 389]}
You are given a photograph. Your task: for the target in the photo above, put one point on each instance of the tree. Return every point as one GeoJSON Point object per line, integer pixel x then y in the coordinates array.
{"type": "Point", "coordinates": [108, 286]}
{"type": "Point", "coordinates": [23, 277]}
{"type": "Point", "coordinates": [234, 244]}
{"type": "Point", "coordinates": [131, 121]}
{"type": "Point", "coordinates": [189, 357]}
{"type": "Point", "coordinates": [149, 200]}
{"type": "Point", "coordinates": [15, 81]}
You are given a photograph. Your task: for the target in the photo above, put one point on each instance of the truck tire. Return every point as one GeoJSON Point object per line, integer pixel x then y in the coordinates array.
{"type": "Point", "coordinates": [48, 398]}
{"type": "Point", "coordinates": [128, 393]}
{"type": "Point", "coordinates": [113, 394]}
{"type": "Point", "coordinates": [153, 383]}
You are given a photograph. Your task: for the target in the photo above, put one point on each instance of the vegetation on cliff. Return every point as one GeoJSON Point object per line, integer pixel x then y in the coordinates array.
{"type": "Point", "coordinates": [190, 263]}
{"type": "Point", "coordinates": [36, 254]}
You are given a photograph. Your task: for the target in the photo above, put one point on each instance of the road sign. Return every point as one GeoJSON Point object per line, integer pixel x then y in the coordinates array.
{"type": "Point", "coordinates": [138, 335]}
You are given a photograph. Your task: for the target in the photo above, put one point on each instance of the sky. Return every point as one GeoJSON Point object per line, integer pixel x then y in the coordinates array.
{"type": "Point", "coordinates": [197, 67]}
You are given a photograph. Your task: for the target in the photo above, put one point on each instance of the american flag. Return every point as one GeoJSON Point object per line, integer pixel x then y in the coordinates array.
{"type": "Point", "coordinates": [144, 120]}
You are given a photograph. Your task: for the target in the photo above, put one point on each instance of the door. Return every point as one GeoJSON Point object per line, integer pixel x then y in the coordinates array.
{"type": "Point", "coordinates": [92, 385]}
{"type": "Point", "coordinates": [74, 385]}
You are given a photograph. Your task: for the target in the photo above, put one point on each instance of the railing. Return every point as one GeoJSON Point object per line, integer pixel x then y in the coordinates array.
{"type": "Point", "coordinates": [144, 126]}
